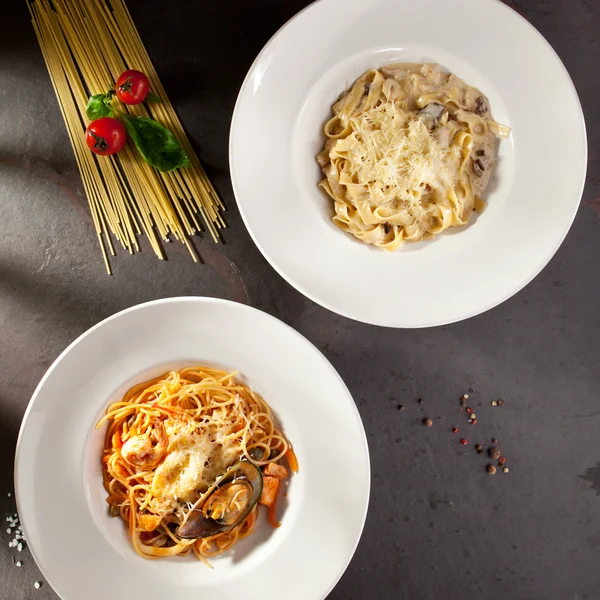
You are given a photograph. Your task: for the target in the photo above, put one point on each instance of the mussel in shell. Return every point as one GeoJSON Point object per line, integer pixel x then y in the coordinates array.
{"type": "Point", "coordinates": [228, 503]}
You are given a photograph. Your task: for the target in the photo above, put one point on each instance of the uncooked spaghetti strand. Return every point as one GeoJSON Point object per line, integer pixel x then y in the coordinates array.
{"type": "Point", "coordinates": [86, 44]}
{"type": "Point", "coordinates": [55, 74]}
{"type": "Point", "coordinates": [166, 109]}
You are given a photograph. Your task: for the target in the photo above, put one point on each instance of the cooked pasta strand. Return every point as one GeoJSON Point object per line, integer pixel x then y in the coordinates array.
{"type": "Point", "coordinates": [409, 151]}
{"type": "Point", "coordinates": [186, 426]}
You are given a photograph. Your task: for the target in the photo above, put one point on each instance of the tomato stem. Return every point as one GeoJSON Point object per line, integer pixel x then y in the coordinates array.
{"type": "Point", "coordinates": [100, 144]}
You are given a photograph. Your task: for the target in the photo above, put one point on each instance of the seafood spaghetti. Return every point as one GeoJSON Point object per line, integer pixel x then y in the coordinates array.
{"type": "Point", "coordinates": [188, 458]}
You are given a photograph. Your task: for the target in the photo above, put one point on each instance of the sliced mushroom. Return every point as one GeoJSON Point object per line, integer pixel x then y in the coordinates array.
{"type": "Point", "coordinates": [478, 168]}
{"type": "Point", "coordinates": [433, 114]}
{"type": "Point", "coordinates": [481, 106]}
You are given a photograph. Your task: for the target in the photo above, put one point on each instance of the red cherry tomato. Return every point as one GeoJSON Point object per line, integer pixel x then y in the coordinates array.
{"type": "Point", "coordinates": [132, 87]}
{"type": "Point", "coordinates": [105, 136]}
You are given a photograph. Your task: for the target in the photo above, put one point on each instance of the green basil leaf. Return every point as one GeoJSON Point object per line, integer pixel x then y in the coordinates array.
{"type": "Point", "coordinates": [98, 106]}
{"type": "Point", "coordinates": [152, 97]}
{"type": "Point", "coordinates": [156, 144]}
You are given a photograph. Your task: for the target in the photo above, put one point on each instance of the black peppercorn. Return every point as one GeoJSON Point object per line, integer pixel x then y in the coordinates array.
{"type": "Point", "coordinates": [494, 453]}
{"type": "Point", "coordinates": [491, 469]}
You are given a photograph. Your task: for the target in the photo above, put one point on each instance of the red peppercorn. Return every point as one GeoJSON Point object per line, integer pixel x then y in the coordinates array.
{"type": "Point", "coordinates": [473, 421]}
{"type": "Point", "coordinates": [455, 430]}
{"type": "Point", "coordinates": [463, 442]}
{"type": "Point", "coordinates": [469, 409]}
{"type": "Point", "coordinates": [502, 460]}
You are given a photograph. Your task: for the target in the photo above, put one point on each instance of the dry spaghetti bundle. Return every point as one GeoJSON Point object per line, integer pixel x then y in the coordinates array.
{"type": "Point", "coordinates": [86, 45]}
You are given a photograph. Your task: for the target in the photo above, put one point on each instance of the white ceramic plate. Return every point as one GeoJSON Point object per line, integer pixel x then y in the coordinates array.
{"type": "Point", "coordinates": [276, 133]}
{"type": "Point", "coordinates": [84, 553]}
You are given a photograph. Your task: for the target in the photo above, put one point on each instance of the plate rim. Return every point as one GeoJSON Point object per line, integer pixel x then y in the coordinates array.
{"type": "Point", "coordinates": [191, 300]}
{"type": "Point", "coordinates": [468, 314]}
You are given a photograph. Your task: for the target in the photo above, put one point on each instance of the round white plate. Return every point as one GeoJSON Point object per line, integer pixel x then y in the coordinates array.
{"type": "Point", "coordinates": [276, 133]}
{"type": "Point", "coordinates": [84, 553]}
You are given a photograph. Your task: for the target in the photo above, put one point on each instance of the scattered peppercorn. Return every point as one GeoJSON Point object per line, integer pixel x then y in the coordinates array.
{"type": "Point", "coordinates": [463, 442]}
{"type": "Point", "coordinates": [494, 453]}
{"type": "Point", "coordinates": [400, 407]}
{"type": "Point", "coordinates": [420, 401]}
{"type": "Point", "coordinates": [479, 448]}
{"type": "Point", "coordinates": [505, 469]}
{"type": "Point", "coordinates": [466, 396]}
{"type": "Point", "coordinates": [473, 421]}
{"type": "Point", "coordinates": [494, 403]}
{"type": "Point", "coordinates": [455, 430]}
{"type": "Point", "coordinates": [491, 469]}
{"type": "Point", "coordinates": [502, 460]}
{"type": "Point", "coordinates": [473, 416]}
{"type": "Point", "coordinates": [494, 440]}
{"type": "Point", "coordinates": [500, 402]}
{"type": "Point", "coordinates": [469, 409]}
{"type": "Point", "coordinates": [427, 422]}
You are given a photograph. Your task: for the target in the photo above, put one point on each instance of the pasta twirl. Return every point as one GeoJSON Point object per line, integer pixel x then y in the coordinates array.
{"type": "Point", "coordinates": [409, 152]}
{"type": "Point", "coordinates": [170, 445]}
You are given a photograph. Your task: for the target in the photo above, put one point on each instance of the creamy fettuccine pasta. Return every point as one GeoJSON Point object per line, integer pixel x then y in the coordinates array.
{"type": "Point", "coordinates": [409, 152]}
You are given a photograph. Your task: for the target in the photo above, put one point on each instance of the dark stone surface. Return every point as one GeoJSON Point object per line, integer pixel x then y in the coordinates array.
{"type": "Point", "coordinates": [439, 527]}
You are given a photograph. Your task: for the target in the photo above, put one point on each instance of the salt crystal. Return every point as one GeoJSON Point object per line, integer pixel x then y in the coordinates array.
{"type": "Point", "coordinates": [37, 585]}
{"type": "Point", "coordinates": [19, 563]}
{"type": "Point", "coordinates": [9, 531]}
{"type": "Point", "coordinates": [20, 547]}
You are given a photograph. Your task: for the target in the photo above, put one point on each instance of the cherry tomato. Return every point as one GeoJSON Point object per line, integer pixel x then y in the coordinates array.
{"type": "Point", "coordinates": [132, 87]}
{"type": "Point", "coordinates": [105, 136]}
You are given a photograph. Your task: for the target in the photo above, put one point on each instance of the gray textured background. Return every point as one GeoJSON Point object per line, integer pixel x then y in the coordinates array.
{"type": "Point", "coordinates": [438, 526]}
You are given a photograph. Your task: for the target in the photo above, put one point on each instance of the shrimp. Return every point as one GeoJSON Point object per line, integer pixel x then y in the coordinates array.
{"type": "Point", "coordinates": [139, 451]}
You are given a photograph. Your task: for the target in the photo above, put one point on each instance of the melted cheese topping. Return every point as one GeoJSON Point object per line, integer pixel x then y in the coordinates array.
{"type": "Point", "coordinates": [395, 158]}
{"type": "Point", "coordinates": [194, 462]}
